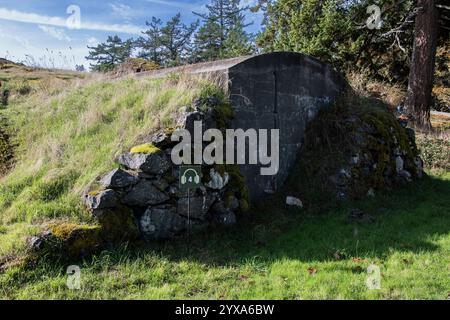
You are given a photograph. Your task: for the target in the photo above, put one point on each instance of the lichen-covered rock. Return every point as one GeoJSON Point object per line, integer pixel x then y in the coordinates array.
{"type": "Point", "coordinates": [195, 207]}
{"type": "Point", "coordinates": [101, 199]}
{"type": "Point", "coordinates": [118, 178]}
{"type": "Point", "coordinates": [161, 222]}
{"type": "Point", "coordinates": [152, 163]}
{"type": "Point", "coordinates": [217, 181]}
{"type": "Point", "coordinates": [118, 224]}
{"type": "Point", "coordinates": [144, 194]}
{"type": "Point", "coordinates": [63, 240]}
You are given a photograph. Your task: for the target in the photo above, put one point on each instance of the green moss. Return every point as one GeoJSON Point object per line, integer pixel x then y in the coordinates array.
{"type": "Point", "coordinates": [76, 239]}
{"type": "Point", "coordinates": [352, 125]}
{"type": "Point", "coordinates": [65, 230]}
{"type": "Point", "coordinates": [236, 184]}
{"type": "Point", "coordinates": [118, 225]}
{"type": "Point", "coordinates": [145, 148]}
{"type": "Point", "coordinates": [224, 113]}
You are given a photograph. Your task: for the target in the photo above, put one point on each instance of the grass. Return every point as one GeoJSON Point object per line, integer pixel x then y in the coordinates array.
{"type": "Point", "coordinates": [276, 253]}
{"type": "Point", "coordinates": [69, 135]}
{"type": "Point", "coordinates": [66, 140]}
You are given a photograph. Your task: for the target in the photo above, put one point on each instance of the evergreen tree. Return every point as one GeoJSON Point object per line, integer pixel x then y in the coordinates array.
{"type": "Point", "coordinates": [150, 43]}
{"type": "Point", "coordinates": [335, 31]}
{"type": "Point", "coordinates": [108, 55]}
{"type": "Point", "coordinates": [176, 40]}
{"type": "Point", "coordinates": [223, 25]}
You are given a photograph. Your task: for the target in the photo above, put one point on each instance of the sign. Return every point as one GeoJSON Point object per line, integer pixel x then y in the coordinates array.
{"type": "Point", "coordinates": [190, 177]}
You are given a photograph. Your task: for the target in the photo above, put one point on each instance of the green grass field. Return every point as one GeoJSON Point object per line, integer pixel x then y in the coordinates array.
{"type": "Point", "coordinates": [276, 254]}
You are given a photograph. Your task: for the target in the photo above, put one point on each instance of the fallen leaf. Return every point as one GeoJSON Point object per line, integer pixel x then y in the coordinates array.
{"type": "Point", "coordinates": [312, 270]}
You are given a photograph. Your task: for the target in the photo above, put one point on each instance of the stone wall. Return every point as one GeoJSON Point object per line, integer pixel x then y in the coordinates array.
{"type": "Point", "coordinates": [279, 90]}
{"type": "Point", "coordinates": [147, 186]}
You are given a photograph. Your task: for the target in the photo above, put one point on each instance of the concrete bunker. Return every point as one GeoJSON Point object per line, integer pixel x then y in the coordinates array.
{"type": "Point", "coordinates": [279, 90]}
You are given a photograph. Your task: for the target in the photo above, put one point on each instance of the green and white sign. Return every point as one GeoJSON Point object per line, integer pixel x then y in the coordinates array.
{"type": "Point", "coordinates": [190, 177]}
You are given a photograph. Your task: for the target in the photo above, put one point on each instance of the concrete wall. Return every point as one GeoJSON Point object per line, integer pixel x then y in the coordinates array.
{"type": "Point", "coordinates": [280, 91]}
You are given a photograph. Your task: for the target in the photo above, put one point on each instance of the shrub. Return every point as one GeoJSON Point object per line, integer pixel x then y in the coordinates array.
{"type": "Point", "coordinates": [434, 150]}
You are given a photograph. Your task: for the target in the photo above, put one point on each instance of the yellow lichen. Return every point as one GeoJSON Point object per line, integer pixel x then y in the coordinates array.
{"type": "Point", "coordinates": [145, 148]}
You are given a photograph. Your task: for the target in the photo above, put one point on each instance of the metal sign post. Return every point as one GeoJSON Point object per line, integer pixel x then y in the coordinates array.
{"type": "Point", "coordinates": [190, 178]}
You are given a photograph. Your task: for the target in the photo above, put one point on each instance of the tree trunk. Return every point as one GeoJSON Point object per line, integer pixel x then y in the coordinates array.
{"type": "Point", "coordinates": [418, 100]}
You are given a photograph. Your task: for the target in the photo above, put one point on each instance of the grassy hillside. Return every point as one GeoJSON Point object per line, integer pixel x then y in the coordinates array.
{"type": "Point", "coordinates": [68, 136]}
{"type": "Point", "coordinates": [69, 127]}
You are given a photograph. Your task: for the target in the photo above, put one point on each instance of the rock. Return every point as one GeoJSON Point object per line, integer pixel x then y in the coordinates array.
{"type": "Point", "coordinates": [198, 206]}
{"type": "Point", "coordinates": [152, 163]}
{"type": "Point", "coordinates": [118, 224]}
{"type": "Point", "coordinates": [143, 194]}
{"type": "Point", "coordinates": [399, 164]}
{"type": "Point", "coordinates": [419, 166]}
{"type": "Point", "coordinates": [161, 184]}
{"type": "Point", "coordinates": [217, 181]}
{"type": "Point", "coordinates": [101, 200]}
{"type": "Point", "coordinates": [293, 201]}
{"type": "Point", "coordinates": [405, 175]}
{"type": "Point", "coordinates": [40, 242]}
{"type": "Point", "coordinates": [187, 119]}
{"type": "Point", "coordinates": [161, 139]}
{"type": "Point", "coordinates": [161, 222]}
{"type": "Point", "coordinates": [354, 159]}
{"type": "Point", "coordinates": [226, 218]}
{"type": "Point", "coordinates": [65, 240]}
{"type": "Point", "coordinates": [233, 203]}
{"type": "Point", "coordinates": [222, 215]}
{"type": "Point", "coordinates": [118, 178]}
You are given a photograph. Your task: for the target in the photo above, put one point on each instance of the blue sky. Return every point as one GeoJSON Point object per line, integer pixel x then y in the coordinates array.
{"type": "Point", "coordinates": [40, 28]}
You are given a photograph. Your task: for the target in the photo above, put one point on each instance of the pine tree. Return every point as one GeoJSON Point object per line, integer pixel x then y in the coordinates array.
{"type": "Point", "coordinates": [150, 43]}
{"type": "Point", "coordinates": [108, 55]}
{"type": "Point", "coordinates": [176, 40]}
{"type": "Point", "coordinates": [238, 42]}
{"type": "Point", "coordinates": [223, 20]}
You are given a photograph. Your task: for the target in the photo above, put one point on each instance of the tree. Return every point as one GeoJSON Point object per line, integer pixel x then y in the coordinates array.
{"type": "Point", "coordinates": [335, 31]}
{"type": "Point", "coordinates": [110, 54]}
{"type": "Point", "coordinates": [238, 42]}
{"type": "Point", "coordinates": [223, 31]}
{"type": "Point", "coordinates": [176, 40]}
{"type": "Point", "coordinates": [150, 43]}
{"type": "Point", "coordinates": [418, 100]}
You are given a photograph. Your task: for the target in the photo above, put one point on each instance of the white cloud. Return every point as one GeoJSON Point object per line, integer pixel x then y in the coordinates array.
{"type": "Point", "coordinates": [122, 10]}
{"type": "Point", "coordinates": [14, 15]}
{"type": "Point", "coordinates": [92, 41]}
{"type": "Point", "coordinates": [56, 33]}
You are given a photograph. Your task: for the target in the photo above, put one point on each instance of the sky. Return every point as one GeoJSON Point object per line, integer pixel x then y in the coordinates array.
{"type": "Point", "coordinates": [56, 33]}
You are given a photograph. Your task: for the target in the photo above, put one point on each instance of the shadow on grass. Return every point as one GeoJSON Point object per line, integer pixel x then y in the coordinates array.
{"type": "Point", "coordinates": [405, 220]}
